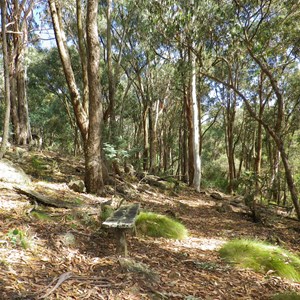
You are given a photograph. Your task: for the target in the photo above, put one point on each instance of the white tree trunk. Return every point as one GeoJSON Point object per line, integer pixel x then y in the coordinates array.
{"type": "Point", "coordinates": [196, 133]}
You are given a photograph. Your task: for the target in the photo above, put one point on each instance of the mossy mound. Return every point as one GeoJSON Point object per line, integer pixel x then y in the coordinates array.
{"type": "Point", "coordinates": [286, 296]}
{"type": "Point", "coordinates": [156, 225]}
{"type": "Point", "coordinates": [262, 257]}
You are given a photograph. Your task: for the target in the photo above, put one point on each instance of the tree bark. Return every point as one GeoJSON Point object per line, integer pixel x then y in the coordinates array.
{"type": "Point", "coordinates": [20, 13]}
{"type": "Point", "coordinates": [82, 53]}
{"type": "Point", "coordinates": [6, 80]}
{"type": "Point", "coordinates": [81, 116]}
{"type": "Point", "coordinates": [111, 81]}
{"type": "Point", "coordinates": [93, 174]}
{"type": "Point", "coordinates": [196, 133]}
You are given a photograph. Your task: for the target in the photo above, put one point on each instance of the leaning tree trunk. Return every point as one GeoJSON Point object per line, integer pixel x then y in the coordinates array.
{"type": "Point", "coordinates": [6, 80]}
{"type": "Point", "coordinates": [289, 179]}
{"type": "Point", "coordinates": [80, 113]}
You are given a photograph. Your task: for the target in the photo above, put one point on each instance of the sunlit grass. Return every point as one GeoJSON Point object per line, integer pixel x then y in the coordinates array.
{"type": "Point", "coordinates": [262, 257]}
{"type": "Point", "coordinates": [286, 296]}
{"type": "Point", "coordinates": [156, 225]}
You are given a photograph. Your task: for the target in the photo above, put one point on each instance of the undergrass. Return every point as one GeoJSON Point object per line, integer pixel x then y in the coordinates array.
{"type": "Point", "coordinates": [156, 225]}
{"type": "Point", "coordinates": [286, 296]}
{"type": "Point", "coordinates": [262, 257]}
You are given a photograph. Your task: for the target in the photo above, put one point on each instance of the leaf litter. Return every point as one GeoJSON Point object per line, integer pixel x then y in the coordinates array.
{"type": "Point", "coordinates": [72, 257]}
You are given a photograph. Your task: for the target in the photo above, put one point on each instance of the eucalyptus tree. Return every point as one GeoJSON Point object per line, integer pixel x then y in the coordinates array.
{"type": "Point", "coordinates": [6, 79]}
{"type": "Point", "coordinates": [176, 22]}
{"type": "Point", "coordinates": [88, 117]}
{"type": "Point", "coordinates": [19, 20]}
{"type": "Point", "coordinates": [268, 43]}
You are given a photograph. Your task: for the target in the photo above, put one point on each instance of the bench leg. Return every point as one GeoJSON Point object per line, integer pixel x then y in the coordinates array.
{"type": "Point", "coordinates": [121, 242]}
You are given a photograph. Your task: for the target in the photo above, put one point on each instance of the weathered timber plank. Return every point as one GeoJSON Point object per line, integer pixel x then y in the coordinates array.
{"type": "Point", "coordinates": [124, 217]}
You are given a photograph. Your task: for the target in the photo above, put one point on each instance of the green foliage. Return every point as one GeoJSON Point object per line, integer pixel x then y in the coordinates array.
{"type": "Point", "coordinates": [156, 225]}
{"type": "Point", "coordinates": [49, 104]}
{"type": "Point", "coordinates": [248, 181]}
{"type": "Point", "coordinates": [286, 296]}
{"type": "Point", "coordinates": [262, 257]}
{"type": "Point", "coordinates": [18, 238]}
{"type": "Point", "coordinates": [113, 153]}
{"type": "Point", "coordinates": [214, 177]}
{"type": "Point", "coordinates": [37, 163]}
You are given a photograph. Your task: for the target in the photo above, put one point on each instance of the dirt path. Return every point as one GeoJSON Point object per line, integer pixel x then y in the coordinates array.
{"type": "Point", "coordinates": [68, 255]}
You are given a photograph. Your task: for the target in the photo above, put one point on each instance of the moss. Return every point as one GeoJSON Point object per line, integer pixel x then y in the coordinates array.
{"type": "Point", "coordinates": [41, 215]}
{"type": "Point", "coordinates": [156, 225]}
{"type": "Point", "coordinates": [262, 257]}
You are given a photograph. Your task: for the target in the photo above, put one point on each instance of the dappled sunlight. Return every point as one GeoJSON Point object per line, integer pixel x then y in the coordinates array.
{"type": "Point", "coordinates": [53, 186]}
{"type": "Point", "coordinates": [205, 244]}
{"type": "Point", "coordinates": [193, 243]}
{"type": "Point", "coordinates": [197, 202]}
{"type": "Point", "coordinates": [14, 256]}
{"type": "Point", "coordinates": [9, 205]}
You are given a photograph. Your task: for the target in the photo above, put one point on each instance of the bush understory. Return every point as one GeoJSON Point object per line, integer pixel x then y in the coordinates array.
{"type": "Point", "coordinates": [156, 225]}
{"type": "Point", "coordinates": [262, 257]}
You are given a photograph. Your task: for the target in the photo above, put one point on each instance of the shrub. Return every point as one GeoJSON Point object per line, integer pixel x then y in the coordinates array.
{"type": "Point", "coordinates": [156, 225]}
{"type": "Point", "coordinates": [262, 257]}
{"type": "Point", "coordinates": [18, 238]}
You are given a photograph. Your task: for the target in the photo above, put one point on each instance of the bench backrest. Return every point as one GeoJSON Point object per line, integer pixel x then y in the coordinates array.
{"type": "Point", "coordinates": [124, 217]}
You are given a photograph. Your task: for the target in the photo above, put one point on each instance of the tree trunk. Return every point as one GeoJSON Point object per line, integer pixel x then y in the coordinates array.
{"type": "Point", "coordinates": [6, 80]}
{"type": "Point", "coordinates": [81, 116]}
{"type": "Point", "coordinates": [82, 53]}
{"type": "Point", "coordinates": [89, 125]}
{"type": "Point", "coordinates": [93, 173]}
{"type": "Point", "coordinates": [19, 104]}
{"type": "Point", "coordinates": [290, 180]}
{"type": "Point", "coordinates": [189, 120]}
{"type": "Point", "coordinates": [196, 133]}
{"type": "Point", "coordinates": [111, 82]}
{"type": "Point", "coordinates": [146, 139]}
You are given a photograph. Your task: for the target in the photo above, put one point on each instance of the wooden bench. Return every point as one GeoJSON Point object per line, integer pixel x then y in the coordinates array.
{"type": "Point", "coordinates": [122, 220]}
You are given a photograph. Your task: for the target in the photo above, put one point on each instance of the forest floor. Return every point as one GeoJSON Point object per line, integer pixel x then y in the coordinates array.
{"type": "Point", "coordinates": [67, 255]}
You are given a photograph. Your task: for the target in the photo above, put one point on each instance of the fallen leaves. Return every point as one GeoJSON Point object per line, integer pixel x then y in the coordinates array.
{"type": "Point", "coordinates": [74, 259]}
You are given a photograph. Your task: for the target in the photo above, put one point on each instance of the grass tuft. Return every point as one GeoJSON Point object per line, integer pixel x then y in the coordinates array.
{"type": "Point", "coordinates": [262, 257]}
{"type": "Point", "coordinates": [156, 225]}
{"type": "Point", "coordinates": [286, 296]}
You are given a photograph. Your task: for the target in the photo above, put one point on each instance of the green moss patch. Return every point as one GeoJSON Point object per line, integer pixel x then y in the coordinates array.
{"type": "Point", "coordinates": [262, 257]}
{"type": "Point", "coordinates": [41, 215]}
{"type": "Point", "coordinates": [156, 225]}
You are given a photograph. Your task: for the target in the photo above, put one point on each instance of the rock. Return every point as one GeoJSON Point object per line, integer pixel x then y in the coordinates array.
{"type": "Point", "coordinates": [67, 239]}
{"type": "Point", "coordinates": [216, 196]}
{"type": "Point", "coordinates": [12, 173]}
{"type": "Point", "coordinates": [77, 186]}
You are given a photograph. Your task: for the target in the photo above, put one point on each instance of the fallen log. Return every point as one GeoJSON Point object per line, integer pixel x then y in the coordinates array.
{"type": "Point", "coordinates": [45, 200]}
